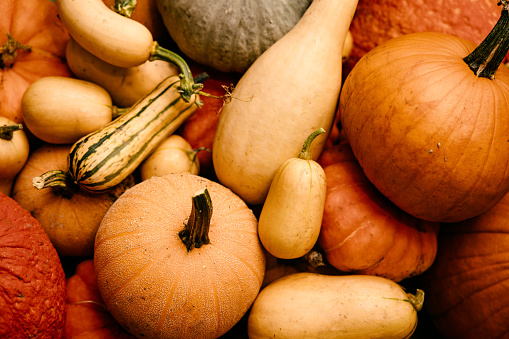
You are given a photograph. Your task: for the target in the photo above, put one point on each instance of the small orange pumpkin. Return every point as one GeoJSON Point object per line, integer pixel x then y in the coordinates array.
{"type": "Point", "coordinates": [362, 231]}
{"type": "Point", "coordinates": [35, 47]}
{"type": "Point", "coordinates": [174, 261]}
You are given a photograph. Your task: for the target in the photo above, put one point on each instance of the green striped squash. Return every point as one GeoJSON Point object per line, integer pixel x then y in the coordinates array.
{"type": "Point", "coordinates": [106, 157]}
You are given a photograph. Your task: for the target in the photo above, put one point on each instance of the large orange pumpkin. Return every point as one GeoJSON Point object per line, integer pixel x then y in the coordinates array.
{"type": "Point", "coordinates": [467, 286]}
{"type": "Point", "coordinates": [172, 263]}
{"type": "Point", "coordinates": [35, 25]}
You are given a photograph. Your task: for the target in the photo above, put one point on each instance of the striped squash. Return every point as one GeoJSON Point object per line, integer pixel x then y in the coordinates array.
{"type": "Point", "coordinates": [106, 157]}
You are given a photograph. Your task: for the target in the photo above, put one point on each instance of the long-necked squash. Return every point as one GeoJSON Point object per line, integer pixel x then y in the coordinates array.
{"type": "Point", "coordinates": [311, 305]}
{"type": "Point", "coordinates": [291, 217]}
{"type": "Point", "coordinates": [289, 91]}
{"type": "Point", "coordinates": [104, 158]}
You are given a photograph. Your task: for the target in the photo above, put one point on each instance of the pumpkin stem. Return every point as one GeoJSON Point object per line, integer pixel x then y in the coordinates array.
{"type": "Point", "coordinates": [187, 85]}
{"type": "Point", "coordinates": [305, 154]}
{"type": "Point", "coordinates": [9, 51]}
{"type": "Point", "coordinates": [60, 181]}
{"type": "Point", "coordinates": [124, 7]}
{"type": "Point", "coordinates": [416, 300]}
{"type": "Point", "coordinates": [196, 231]}
{"type": "Point", "coordinates": [487, 57]}
{"type": "Point", "coordinates": [6, 132]}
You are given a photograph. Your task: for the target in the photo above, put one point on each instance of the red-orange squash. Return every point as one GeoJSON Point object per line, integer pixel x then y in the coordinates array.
{"type": "Point", "coordinates": [178, 256]}
{"type": "Point", "coordinates": [32, 280]}
{"type": "Point", "coordinates": [362, 231]}
{"type": "Point", "coordinates": [87, 316]}
{"type": "Point", "coordinates": [34, 24]}
{"type": "Point", "coordinates": [426, 117]}
{"type": "Point", "coordinates": [467, 285]}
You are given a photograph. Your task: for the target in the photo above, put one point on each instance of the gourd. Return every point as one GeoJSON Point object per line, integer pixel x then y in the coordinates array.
{"type": "Point", "coordinates": [229, 35]}
{"type": "Point", "coordinates": [362, 232]}
{"type": "Point", "coordinates": [467, 284]}
{"type": "Point", "coordinates": [87, 316]}
{"type": "Point", "coordinates": [173, 155]}
{"type": "Point", "coordinates": [61, 110]}
{"type": "Point", "coordinates": [14, 150]}
{"type": "Point", "coordinates": [32, 297]}
{"type": "Point", "coordinates": [291, 217]}
{"type": "Point", "coordinates": [178, 256]}
{"type": "Point", "coordinates": [68, 215]}
{"type": "Point", "coordinates": [273, 104]}
{"type": "Point", "coordinates": [454, 17]}
{"type": "Point", "coordinates": [310, 305]}
{"type": "Point", "coordinates": [28, 51]}
{"type": "Point", "coordinates": [432, 133]}
{"type": "Point", "coordinates": [102, 159]}
{"type": "Point", "coordinates": [125, 85]}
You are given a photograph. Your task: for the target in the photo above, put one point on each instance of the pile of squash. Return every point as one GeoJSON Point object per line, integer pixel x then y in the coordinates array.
{"type": "Point", "coordinates": [289, 169]}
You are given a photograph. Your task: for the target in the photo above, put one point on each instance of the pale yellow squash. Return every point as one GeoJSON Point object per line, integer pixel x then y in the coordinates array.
{"type": "Point", "coordinates": [288, 92]}
{"type": "Point", "coordinates": [14, 151]}
{"type": "Point", "coordinates": [291, 217]}
{"type": "Point", "coordinates": [311, 305]}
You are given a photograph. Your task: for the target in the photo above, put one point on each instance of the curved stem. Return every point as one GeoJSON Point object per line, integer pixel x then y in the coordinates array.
{"type": "Point", "coordinates": [487, 57]}
{"type": "Point", "coordinates": [416, 300]}
{"type": "Point", "coordinates": [9, 51]}
{"type": "Point", "coordinates": [6, 132]}
{"type": "Point", "coordinates": [118, 111]}
{"type": "Point", "coordinates": [196, 231]}
{"type": "Point", "coordinates": [60, 181]}
{"type": "Point", "coordinates": [305, 154]}
{"type": "Point", "coordinates": [124, 7]}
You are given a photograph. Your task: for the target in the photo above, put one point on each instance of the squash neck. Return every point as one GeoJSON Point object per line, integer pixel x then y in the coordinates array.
{"type": "Point", "coordinates": [7, 131]}
{"type": "Point", "coordinates": [196, 231]}
{"type": "Point", "coordinates": [9, 51]}
{"type": "Point", "coordinates": [487, 57]}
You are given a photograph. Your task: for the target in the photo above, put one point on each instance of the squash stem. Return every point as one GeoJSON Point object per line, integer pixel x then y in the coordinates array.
{"type": "Point", "coordinates": [416, 300]}
{"type": "Point", "coordinates": [9, 51]}
{"type": "Point", "coordinates": [118, 111]}
{"type": "Point", "coordinates": [7, 131]}
{"type": "Point", "coordinates": [60, 181]}
{"type": "Point", "coordinates": [124, 7]}
{"type": "Point", "coordinates": [196, 231]}
{"type": "Point", "coordinates": [305, 154]}
{"type": "Point", "coordinates": [487, 57]}
{"type": "Point", "coordinates": [187, 85]}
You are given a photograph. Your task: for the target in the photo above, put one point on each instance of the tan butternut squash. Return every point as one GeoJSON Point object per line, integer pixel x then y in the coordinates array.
{"type": "Point", "coordinates": [288, 92]}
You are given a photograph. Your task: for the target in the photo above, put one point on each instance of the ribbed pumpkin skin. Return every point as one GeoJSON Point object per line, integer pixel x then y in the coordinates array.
{"type": "Point", "coordinates": [428, 133]}
{"type": "Point", "coordinates": [228, 35]}
{"type": "Point", "coordinates": [467, 285]}
{"type": "Point", "coordinates": [148, 280]}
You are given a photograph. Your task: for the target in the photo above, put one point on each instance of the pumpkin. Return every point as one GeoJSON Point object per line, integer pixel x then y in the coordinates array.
{"type": "Point", "coordinates": [28, 51]}
{"type": "Point", "coordinates": [14, 150]}
{"type": "Point", "coordinates": [69, 216]}
{"type": "Point", "coordinates": [468, 282]}
{"type": "Point", "coordinates": [378, 21]}
{"type": "Point", "coordinates": [87, 316]}
{"type": "Point", "coordinates": [178, 256]}
{"type": "Point", "coordinates": [228, 36]}
{"type": "Point", "coordinates": [275, 105]}
{"type": "Point", "coordinates": [32, 279]}
{"type": "Point", "coordinates": [362, 231]}
{"type": "Point", "coordinates": [425, 116]}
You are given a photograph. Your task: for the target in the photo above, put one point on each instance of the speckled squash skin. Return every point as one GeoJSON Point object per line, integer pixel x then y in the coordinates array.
{"type": "Point", "coordinates": [32, 280]}
{"type": "Point", "coordinates": [148, 280]}
{"type": "Point", "coordinates": [228, 35]}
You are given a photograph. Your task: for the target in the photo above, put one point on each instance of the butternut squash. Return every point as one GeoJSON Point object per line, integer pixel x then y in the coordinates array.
{"type": "Point", "coordinates": [311, 305]}
{"type": "Point", "coordinates": [291, 217]}
{"type": "Point", "coordinates": [288, 92]}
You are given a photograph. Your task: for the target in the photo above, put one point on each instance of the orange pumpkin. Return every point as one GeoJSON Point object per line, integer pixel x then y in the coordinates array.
{"type": "Point", "coordinates": [174, 261]}
{"type": "Point", "coordinates": [425, 115]}
{"type": "Point", "coordinates": [466, 287]}
{"type": "Point", "coordinates": [35, 48]}
{"type": "Point", "coordinates": [362, 231]}
{"type": "Point", "coordinates": [69, 216]}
